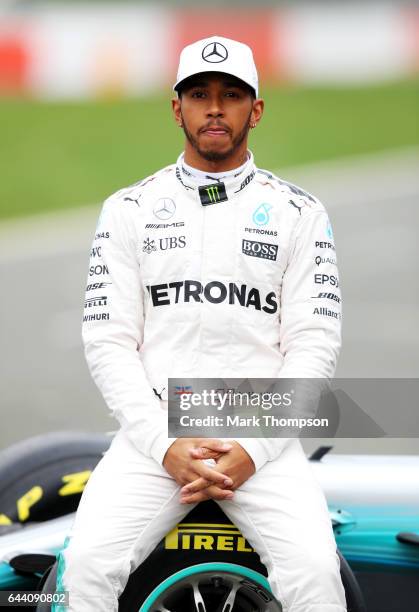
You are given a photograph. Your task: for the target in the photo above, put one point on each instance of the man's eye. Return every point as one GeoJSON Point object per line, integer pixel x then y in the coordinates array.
{"type": "Point", "coordinates": [197, 94]}
{"type": "Point", "coordinates": [232, 94]}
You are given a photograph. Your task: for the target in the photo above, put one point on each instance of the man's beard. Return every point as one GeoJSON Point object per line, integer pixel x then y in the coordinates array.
{"type": "Point", "coordinates": [213, 156]}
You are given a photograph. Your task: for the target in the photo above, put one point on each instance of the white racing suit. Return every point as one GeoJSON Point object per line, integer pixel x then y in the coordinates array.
{"type": "Point", "coordinates": [193, 276]}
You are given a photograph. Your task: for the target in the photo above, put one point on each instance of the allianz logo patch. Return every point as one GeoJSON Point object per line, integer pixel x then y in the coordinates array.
{"type": "Point", "coordinates": [264, 250]}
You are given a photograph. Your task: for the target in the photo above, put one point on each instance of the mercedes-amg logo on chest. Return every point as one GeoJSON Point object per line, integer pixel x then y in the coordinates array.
{"type": "Point", "coordinates": [164, 208]}
{"type": "Point", "coordinates": [214, 53]}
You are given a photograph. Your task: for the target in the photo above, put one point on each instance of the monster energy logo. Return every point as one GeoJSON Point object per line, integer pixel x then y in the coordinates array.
{"type": "Point", "coordinates": [211, 194]}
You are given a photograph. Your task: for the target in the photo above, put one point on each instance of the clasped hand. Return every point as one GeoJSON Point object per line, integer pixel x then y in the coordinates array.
{"type": "Point", "coordinates": [184, 461]}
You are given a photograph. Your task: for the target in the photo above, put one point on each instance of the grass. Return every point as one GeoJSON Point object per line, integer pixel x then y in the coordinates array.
{"type": "Point", "coordinates": [60, 155]}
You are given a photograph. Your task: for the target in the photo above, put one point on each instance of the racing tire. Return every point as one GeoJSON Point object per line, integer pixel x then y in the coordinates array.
{"type": "Point", "coordinates": [216, 581]}
{"type": "Point", "coordinates": [218, 586]}
{"type": "Point", "coordinates": [355, 601]}
{"type": "Point", "coordinates": [43, 477]}
{"type": "Point", "coordinates": [150, 578]}
{"type": "Point", "coordinates": [48, 584]}
{"type": "Point", "coordinates": [213, 583]}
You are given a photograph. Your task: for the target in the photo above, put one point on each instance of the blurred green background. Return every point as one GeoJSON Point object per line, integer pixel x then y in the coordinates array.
{"type": "Point", "coordinates": [55, 155]}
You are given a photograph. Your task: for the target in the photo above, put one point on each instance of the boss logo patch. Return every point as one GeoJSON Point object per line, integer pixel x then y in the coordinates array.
{"type": "Point", "coordinates": [264, 250]}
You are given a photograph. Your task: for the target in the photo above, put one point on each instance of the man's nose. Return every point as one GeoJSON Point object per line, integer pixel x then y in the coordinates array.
{"type": "Point", "coordinates": [215, 107]}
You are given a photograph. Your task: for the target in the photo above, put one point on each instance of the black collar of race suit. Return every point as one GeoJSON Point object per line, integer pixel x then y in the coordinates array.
{"type": "Point", "coordinates": [216, 190]}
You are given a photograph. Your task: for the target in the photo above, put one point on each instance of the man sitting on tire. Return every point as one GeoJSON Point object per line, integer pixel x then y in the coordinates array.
{"type": "Point", "coordinates": [176, 289]}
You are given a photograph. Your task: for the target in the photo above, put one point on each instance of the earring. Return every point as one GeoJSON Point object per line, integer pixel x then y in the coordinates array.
{"type": "Point", "coordinates": [253, 125]}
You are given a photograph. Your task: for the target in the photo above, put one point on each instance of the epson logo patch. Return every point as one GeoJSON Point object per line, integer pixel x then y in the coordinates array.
{"type": "Point", "coordinates": [265, 250]}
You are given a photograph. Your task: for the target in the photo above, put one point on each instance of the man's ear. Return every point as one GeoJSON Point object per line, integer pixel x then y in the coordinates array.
{"type": "Point", "coordinates": [176, 104]}
{"type": "Point", "coordinates": [257, 111]}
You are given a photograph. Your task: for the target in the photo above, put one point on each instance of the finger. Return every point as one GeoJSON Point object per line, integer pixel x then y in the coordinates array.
{"type": "Point", "coordinates": [198, 497]}
{"type": "Point", "coordinates": [204, 453]}
{"type": "Point", "coordinates": [217, 493]}
{"type": "Point", "coordinates": [195, 486]}
{"type": "Point", "coordinates": [194, 476]}
{"type": "Point", "coordinates": [215, 445]}
{"type": "Point", "coordinates": [202, 483]}
{"type": "Point", "coordinates": [212, 492]}
{"type": "Point", "coordinates": [208, 473]}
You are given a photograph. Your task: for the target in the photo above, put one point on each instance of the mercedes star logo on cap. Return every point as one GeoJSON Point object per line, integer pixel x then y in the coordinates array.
{"type": "Point", "coordinates": [214, 53]}
{"type": "Point", "coordinates": [164, 208]}
{"type": "Point", "coordinates": [217, 54]}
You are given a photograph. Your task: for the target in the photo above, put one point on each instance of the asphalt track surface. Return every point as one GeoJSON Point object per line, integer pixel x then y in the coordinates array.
{"type": "Point", "coordinates": [373, 203]}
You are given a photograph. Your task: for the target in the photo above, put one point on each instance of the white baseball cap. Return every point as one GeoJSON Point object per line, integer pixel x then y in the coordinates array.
{"type": "Point", "coordinates": [218, 54]}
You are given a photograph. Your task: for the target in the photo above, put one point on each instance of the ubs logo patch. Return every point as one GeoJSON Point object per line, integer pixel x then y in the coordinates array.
{"type": "Point", "coordinates": [163, 244]}
{"type": "Point", "coordinates": [264, 250]}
